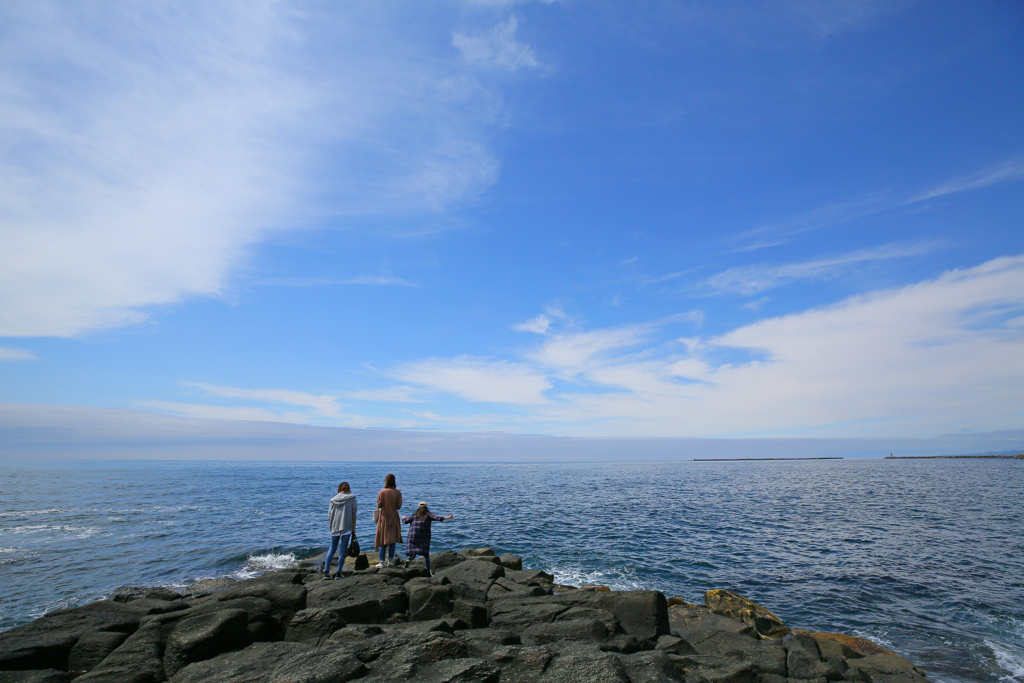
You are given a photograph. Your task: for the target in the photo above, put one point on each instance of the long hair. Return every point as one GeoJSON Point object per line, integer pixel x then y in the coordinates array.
{"type": "Point", "coordinates": [422, 512]}
{"type": "Point", "coordinates": [343, 487]}
{"type": "Point", "coordinates": [389, 481]}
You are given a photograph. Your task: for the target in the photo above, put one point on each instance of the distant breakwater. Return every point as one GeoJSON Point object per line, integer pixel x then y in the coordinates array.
{"type": "Point", "coordinates": [1019, 456]}
{"type": "Point", "coordinates": [480, 618]}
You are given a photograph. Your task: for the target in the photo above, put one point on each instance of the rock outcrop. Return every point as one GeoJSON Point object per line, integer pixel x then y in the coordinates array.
{"type": "Point", "coordinates": [479, 618]}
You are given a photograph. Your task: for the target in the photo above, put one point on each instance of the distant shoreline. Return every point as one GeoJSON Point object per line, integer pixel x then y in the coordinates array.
{"type": "Point", "coordinates": [941, 457]}
{"type": "Point", "coordinates": [831, 457]}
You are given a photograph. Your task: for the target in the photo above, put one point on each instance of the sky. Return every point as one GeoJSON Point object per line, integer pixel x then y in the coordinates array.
{"type": "Point", "coordinates": [770, 220]}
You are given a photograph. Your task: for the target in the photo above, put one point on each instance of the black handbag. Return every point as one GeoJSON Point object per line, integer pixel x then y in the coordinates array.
{"type": "Point", "coordinates": [353, 547]}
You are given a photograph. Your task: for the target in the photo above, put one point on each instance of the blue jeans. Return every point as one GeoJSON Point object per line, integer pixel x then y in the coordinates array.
{"type": "Point", "coordinates": [336, 543]}
{"type": "Point", "coordinates": [390, 548]}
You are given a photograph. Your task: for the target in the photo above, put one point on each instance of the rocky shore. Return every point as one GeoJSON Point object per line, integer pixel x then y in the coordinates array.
{"type": "Point", "coordinates": [479, 618]}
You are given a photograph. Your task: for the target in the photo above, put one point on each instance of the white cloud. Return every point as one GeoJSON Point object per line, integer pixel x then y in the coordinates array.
{"type": "Point", "coordinates": [931, 358]}
{"type": "Point", "coordinates": [497, 48]}
{"type": "Point", "coordinates": [753, 279]}
{"type": "Point", "coordinates": [11, 354]}
{"type": "Point", "coordinates": [538, 325]}
{"type": "Point", "coordinates": [477, 379]}
{"type": "Point", "coordinates": [146, 149]}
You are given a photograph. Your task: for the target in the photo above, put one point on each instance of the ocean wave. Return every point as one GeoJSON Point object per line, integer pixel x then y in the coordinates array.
{"type": "Point", "coordinates": [75, 531]}
{"type": "Point", "coordinates": [259, 564]}
{"type": "Point", "coordinates": [1010, 661]}
{"type": "Point", "coordinates": [575, 576]}
{"type": "Point", "coordinates": [26, 513]}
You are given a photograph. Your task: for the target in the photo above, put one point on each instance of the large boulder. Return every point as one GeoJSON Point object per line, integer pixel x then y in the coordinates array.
{"type": "Point", "coordinates": [46, 642]}
{"type": "Point", "coordinates": [642, 614]}
{"type": "Point", "coordinates": [137, 660]}
{"type": "Point", "coordinates": [360, 599]}
{"type": "Point", "coordinates": [590, 665]}
{"type": "Point", "coordinates": [313, 626]}
{"type": "Point", "coordinates": [472, 571]}
{"type": "Point", "coordinates": [510, 561]}
{"type": "Point", "coordinates": [205, 636]}
{"type": "Point", "coordinates": [254, 664]}
{"type": "Point", "coordinates": [887, 669]}
{"type": "Point", "coordinates": [444, 560]}
{"type": "Point", "coordinates": [429, 601]}
{"type": "Point", "coordinates": [35, 676]}
{"type": "Point", "coordinates": [286, 596]}
{"type": "Point", "coordinates": [93, 648]}
{"type": "Point", "coordinates": [735, 606]}
{"type": "Point", "coordinates": [568, 630]}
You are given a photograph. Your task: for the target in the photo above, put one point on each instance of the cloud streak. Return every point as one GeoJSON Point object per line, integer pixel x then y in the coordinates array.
{"type": "Point", "coordinates": [148, 149]}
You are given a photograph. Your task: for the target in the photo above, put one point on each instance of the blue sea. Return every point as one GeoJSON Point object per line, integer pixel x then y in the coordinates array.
{"type": "Point", "coordinates": [924, 557]}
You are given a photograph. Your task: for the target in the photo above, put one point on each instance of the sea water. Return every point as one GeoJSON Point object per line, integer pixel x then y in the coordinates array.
{"type": "Point", "coordinates": [924, 557]}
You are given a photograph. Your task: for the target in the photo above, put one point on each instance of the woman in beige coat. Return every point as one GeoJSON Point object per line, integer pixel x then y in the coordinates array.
{"type": "Point", "coordinates": [389, 526]}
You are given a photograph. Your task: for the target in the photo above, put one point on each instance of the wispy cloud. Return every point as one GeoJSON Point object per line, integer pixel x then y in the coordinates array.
{"type": "Point", "coordinates": [746, 280]}
{"type": "Point", "coordinates": [496, 48]}
{"type": "Point", "coordinates": [146, 152]}
{"type": "Point", "coordinates": [9, 354]}
{"type": "Point", "coordinates": [324, 404]}
{"type": "Point", "coordinates": [881, 202]}
{"type": "Point", "coordinates": [478, 379]}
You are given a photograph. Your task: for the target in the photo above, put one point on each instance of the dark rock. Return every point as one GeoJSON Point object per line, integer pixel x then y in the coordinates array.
{"type": "Point", "coordinates": [684, 619]}
{"type": "Point", "coordinates": [444, 560]}
{"type": "Point", "coordinates": [531, 577]}
{"type": "Point", "coordinates": [621, 643]}
{"type": "Point", "coordinates": [93, 648]}
{"type": "Point", "coordinates": [723, 652]}
{"type": "Point", "coordinates": [394, 572]}
{"type": "Point", "coordinates": [471, 612]}
{"type": "Point", "coordinates": [313, 625]}
{"type": "Point", "coordinates": [354, 633]}
{"type": "Point", "coordinates": [674, 645]}
{"type": "Point", "coordinates": [803, 658]}
{"type": "Point", "coordinates": [319, 665]}
{"type": "Point", "coordinates": [495, 636]}
{"type": "Point", "coordinates": [861, 646]}
{"type": "Point", "coordinates": [47, 641]}
{"type": "Point", "coordinates": [147, 606]}
{"type": "Point", "coordinates": [653, 666]}
{"type": "Point", "coordinates": [642, 614]}
{"type": "Point", "coordinates": [35, 676]}
{"type": "Point", "coordinates": [518, 615]}
{"type": "Point", "coordinates": [585, 664]}
{"type": "Point", "coordinates": [472, 571]}
{"type": "Point", "coordinates": [559, 631]}
{"type": "Point", "coordinates": [129, 593]}
{"type": "Point", "coordinates": [476, 552]}
{"type": "Point", "coordinates": [254, 664]}
{"type": "Point", "coordinates": [205, 636]}
{"type": "Point", "coordinates": [835, 654]}
{"type": "Point", "coordinates": [137, 660]}
{"type": "Point", "coordinates": [429, 601]}
{"type": "Point", "coordinates": [736, 606]}
{"type": "Point", "coordinates": [513, 562]}
{"type": "Point", "coordinates": [208, 585]}
{"type": "Point", "coordinates": [360, 599]}
{"type": "Point", "coordinates": [286, 597]}
{"type": "Point", "coordinates": [887, 669]}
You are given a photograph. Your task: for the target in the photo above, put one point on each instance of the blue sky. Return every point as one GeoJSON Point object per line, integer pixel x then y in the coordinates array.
{"type": "Point", "coordinates": [772, 219]}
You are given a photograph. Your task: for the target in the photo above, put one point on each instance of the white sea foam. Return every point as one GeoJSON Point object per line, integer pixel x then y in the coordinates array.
{"type": "Point", "coordinates": [1010, 661]}
{"type": "Point", "coordinates": [258, 564]}
{"type": "Point", "coordinates": [574, 576]}
{"type": "Point", "coordinates": [26, 513]}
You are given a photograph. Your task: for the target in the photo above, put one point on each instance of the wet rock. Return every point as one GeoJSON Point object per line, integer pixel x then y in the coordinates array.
{"type": "Point", "coordinates": [47, 641]}
{"type": "Point", "coordinates": [477, 552]}
{"type": "Point", "coordinates": [510, 561]}
{"type": "Point", "coordinates": [313, 625]}
{"type": "Point", "coordinates": [205, 636]}
{"type": "Point", "coordinates": [730, 604]}
{"type": "Point", "coordinates": [93, 648]}
{"type": "Point", "coordinates": [861, 646]}
{"type": "Point", "coordinates": [360, 599]}
{"type": "Point", "coordinates": [129, 593]}
{"type": "Point", "coordinates": [596, 588]}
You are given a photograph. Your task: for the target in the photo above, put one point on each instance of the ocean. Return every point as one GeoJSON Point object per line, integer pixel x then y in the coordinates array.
{"type": "Point", "coordinates": [923, 557]}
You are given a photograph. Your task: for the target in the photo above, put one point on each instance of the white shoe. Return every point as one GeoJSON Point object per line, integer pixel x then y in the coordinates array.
{"type": "Point", "coordinates": [379, 565]}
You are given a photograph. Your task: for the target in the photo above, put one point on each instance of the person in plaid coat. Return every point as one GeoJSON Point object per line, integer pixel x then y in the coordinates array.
{"type": "Point", "coordinates": [418, 540]}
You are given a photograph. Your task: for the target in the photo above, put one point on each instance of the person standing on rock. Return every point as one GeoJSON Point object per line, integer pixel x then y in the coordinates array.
{"type": "Point", "coordinates": [389, 526]}
{"type": "Point", "coordinates": [341, 515]}
{"type": "Point", "coordinates": [419, 532]}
